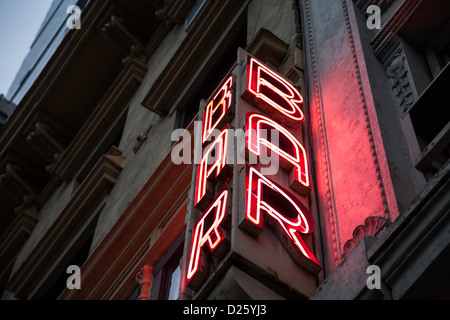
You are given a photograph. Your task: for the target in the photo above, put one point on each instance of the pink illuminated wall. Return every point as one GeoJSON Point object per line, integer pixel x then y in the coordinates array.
{"type": "Point", "coordinates": [353, 180]}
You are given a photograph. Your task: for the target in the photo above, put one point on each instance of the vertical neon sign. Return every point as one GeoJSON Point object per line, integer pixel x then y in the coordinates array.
{"type": "Point", "coordinates": [271, 93]}
{"type": "Point", "coordinates": [216, 170]}
{"type": "Point", "coordinates": [289, 149]}
{"type": "Point", "coordinates": [207, 233]}
{"type": "Point", "coordinates": [265, 200]}
{"type": "Point", "coordinates": [265, 196]}
{"type": "Point", "coordinates": [277, 97]}
{"type": "Point", "coordinates": [218, 111]}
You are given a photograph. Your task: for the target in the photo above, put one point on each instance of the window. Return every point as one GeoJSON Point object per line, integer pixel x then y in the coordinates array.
{"type": "Point", "coordinates": [437, 51]}
{"type": "Point", "coordinates": [172, 279]}
{"type": "Point", "coordinates": [426, 121]}
{"type": "Point", "coordinates": [167, 273]}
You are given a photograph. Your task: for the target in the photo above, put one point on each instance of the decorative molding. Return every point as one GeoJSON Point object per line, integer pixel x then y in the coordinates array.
{"type": "Point", "coordinates": [21, 184]}
{"type": "Point", "coordinates": [141, 139]}
{"type": "Point", "coordinates": [51, 76]}
{"type": "Point", "coordinates": [216, 17]}
{"type": "Point", "coordinates": [397, 73]}
{"type": "Point", "coordinates": [15, 190]}
{"type": "Point", "coordinates": [46, 141]}
{"type": "Point", "coordinates": [122, 39]}
{"type": "Point", "coordinates": [68, 223]}
{"type": "Point", "coordinates": [417, 242]}
{"type": "Point", "coordinates": [370, 228]}
{"type": "Point", "coordinates": [174, 12]}
{"type": "Point", "coordinates": [298, 24]}
{"type": "Point", "coordinates": [12, 241]}
{"type": "Point", "coordinates": [335, 242]}
{"type": "Point", "coordinates": [110, 271]}
{"type": "Point", "coordinates": [366, 112]}
{"type": "Point", "coordinates": [386, 41]}
{"type": "Point", "coordinates": [20, 178]}
{"type": "Point", "coordinates": [114, 102]}
{"type": "Point", "coordinates": [39, 105]}
{"type": "Point", "coordinates": [268, 48]}
{"type": "Point", "coordinates": [49, 103]}
{"type": "Point", "coordinates": [324, 159]}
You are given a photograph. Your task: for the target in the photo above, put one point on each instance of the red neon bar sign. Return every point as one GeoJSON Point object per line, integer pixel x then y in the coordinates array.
{"type": "Point", "coordinates": [273, 94]}
{"type": "Point", "coordinates": [264, 199]}
{"type": "Point", "coordinates": [215, 170]}
{"type": "Point", "coordinates": [265, 196]}
{"type": "Point", "coordinates": [289, 149]}
{"type": "Point", "coordinates": [207, 233]}
{"type": "Point", "coordinates": [217, 109]}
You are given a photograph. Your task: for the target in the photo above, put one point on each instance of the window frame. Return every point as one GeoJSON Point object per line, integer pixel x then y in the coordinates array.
{"type": "Point", "coordinates": [169, 261]}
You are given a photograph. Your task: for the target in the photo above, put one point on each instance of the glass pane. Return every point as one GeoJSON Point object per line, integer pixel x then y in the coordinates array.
{"type": "Point", "coordinates": [175, 284]}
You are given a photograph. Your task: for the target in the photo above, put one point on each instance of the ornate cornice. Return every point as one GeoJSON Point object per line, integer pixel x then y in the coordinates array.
{"type": "Point", "coordinates": [370, 228]}
{"type": "Point", "coordinates": [122, 39]}
{"type": "Point", "coordinates": [268, 48]}
{"type": "Point", "coordinates": [114, 102]}
{"type": "Point", "coordinates": [174, 11]}
{"type": "Point", "coordinates": [68, 223]}
{"type": "Point", "coordinates": [370, 131]}
{"type": "Point", "coordinates": [324, 152]}
{"type": "Point", "coordinates": [386, 42]}
{"type": "Point", "coordinates": [160, 206]}
{"type": "Point", "coordinates": [397, 73]}
{"type": "Point", "coordinates": [17, 234]}
{"type": "Point", "coordinates": [335, 210]}
{"type": "Point", "coordinates": [216, 17]}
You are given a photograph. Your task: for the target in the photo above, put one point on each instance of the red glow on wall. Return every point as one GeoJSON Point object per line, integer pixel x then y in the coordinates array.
{"type": "Point", "coordinates": [273, 94]}
{"type": "Point", "coordinates": [290, 150]}
{"type": "Point", "coordinates": [215, 153]}
{"type": "Point", "coordinates": [216, 109]}
{"type": "Point", "coordinates": [263, 195]}
{"type": "Point", "coordinates": [207, 233]}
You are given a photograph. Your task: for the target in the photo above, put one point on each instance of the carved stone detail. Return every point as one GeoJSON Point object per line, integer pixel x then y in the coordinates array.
{"type": "Point", "coordinates": [122, 39]}
{"type": "Point", "coordinates": [13, 239]}
{"type": "Point", "coordinates": [268, 48]}
{"type": "Point", "coordinates": [368, 229]}
{"type": "Point", "coordinates": [141, 139]}
{"type": "Point", "coordinates": [74, 215]}
{"type": "Point", "coordinates": [14, 190]}
{"type": "Point", "coordinates": [162, 14]}
{"type": "Point", "coordinates": [44, 139]}
{"type": "Point", "coordinates": [400, 86]}
{"type": "Point", "coordinates": [174, 12]}
{"type": "Point", "coordinates": [386, 41]}
{"type": "Point", "coordinates": [29, 215]}
{"type": "Point", "coordinates": [16, 182]}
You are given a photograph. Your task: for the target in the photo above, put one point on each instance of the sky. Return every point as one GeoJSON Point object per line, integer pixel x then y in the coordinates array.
{"type": "Point", "coordinates": [20, 21]}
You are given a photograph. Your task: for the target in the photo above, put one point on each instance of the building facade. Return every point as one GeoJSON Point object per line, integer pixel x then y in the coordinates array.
{"type": "Point", "coordinates": [142, 154]}
{"type": "Point", "coordinates": [6, 109]}
{"type": "Point", "coordinates": [49, 36]}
